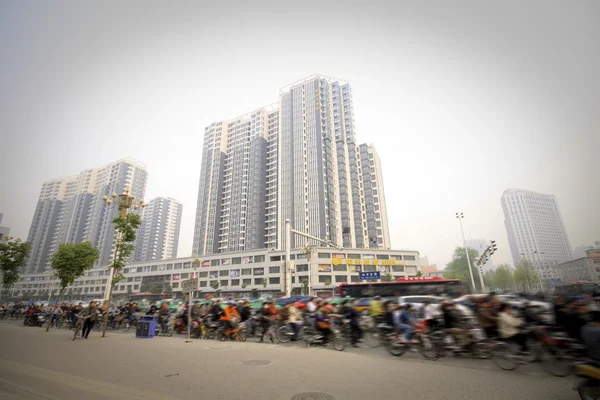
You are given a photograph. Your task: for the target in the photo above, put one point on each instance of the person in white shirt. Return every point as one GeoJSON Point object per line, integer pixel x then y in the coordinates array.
{"type": "Point", "coordinates": [431, 314]}
{"type": "Point", "coordinates": [312, 305]}
{"type": "Point", "coordinates": [509, 327]}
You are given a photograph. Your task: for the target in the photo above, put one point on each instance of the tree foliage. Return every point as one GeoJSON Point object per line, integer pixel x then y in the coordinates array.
{"type": "Point", "coordinates": [70, 262]}
{"type": "Point", "coordinates": [526, 275]}
{"type": "Point", "coordinates": [126, 232]}
{"type": "Point", "coordinates": [168, 290]}
{"type": "Point", "coordinates": [503, 277]}
{"type": "Point", "coordinates": [458, 267]}
{"type": "Point", "coordinates": [13, 253]}
{"type": "Point", "coordinates": [419, 273]}
{"type": "Point", "coordinates": [387, 277]}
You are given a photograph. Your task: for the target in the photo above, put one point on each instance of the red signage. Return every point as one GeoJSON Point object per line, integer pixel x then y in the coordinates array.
{"type": "Point", "coordinates": [421, 278]}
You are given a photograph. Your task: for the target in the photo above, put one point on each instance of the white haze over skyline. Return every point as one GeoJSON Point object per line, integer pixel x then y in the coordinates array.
{"type": "Point", "coordinates": [461, 99]}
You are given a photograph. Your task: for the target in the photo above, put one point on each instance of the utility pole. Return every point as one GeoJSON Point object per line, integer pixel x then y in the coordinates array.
{"type": "Point", "coordinates": [460, 216]}
{"type": "Point", "coordinates": [288, 244]}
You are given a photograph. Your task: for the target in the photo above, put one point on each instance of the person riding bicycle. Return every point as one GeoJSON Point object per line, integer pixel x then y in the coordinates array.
{"type": "Point", "coordinates": [216, 311]}
{"type": "Point", "coordinates": [590, 336]}
{"type": "Point", "coordinates": [322, 323]}
{"type": "Point", "coordinates": [245, 314]}
{"type": "Point", "coordinates": [431, 314]}
{"type": "Point", "coordinates": [153, 309]}
{"type": "Point", "coordinates": [265, 321]}
{"type": "Point", "coordinates": [163, 317]}
{"type": "Point", "coordinates": [375, 308]}
{"type": "Point", "coordinates": [230, 318]}
{"type": "Point", "coordinates": [353, 316]}
{"type": "Point", "coordinates": [406, 321]}
{"type": "Point", "coordinates": [509, 327]}
{"type": "Point", "coordinates": [488, 318]}
{"type": "Point", "coordinates": [452, 324]}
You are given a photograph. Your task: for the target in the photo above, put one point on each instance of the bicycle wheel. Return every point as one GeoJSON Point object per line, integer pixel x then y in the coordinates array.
{"type": "Point", "coordinates": [557, 361]}
{"type": "Point", "coordinates": [284, 333]}
{"type": "Point", "coordinates": [589, 390]}
{"type": "Point", "coordinates": [427, 348]}
{"type": "Point", "coordinates": [241, 336]}
{"type": "Point", "coordinates": [396, 348]}
{"type": "Point", "coordinates": [504, 356]}
{"type": "Point", "coordinates": [338, 343]}
{"type": "Point", "coordinates": [482, 350]}
{"type": "Point", "coordinates": [169, 331]}
{"type": "Point", "coordinates": [98, 326]}
{"type": "Point", "coordinates": [373, 338]}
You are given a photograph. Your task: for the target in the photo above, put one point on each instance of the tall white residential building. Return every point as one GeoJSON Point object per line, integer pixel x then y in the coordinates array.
{"type": "Point", "coordinates": [4, 231]}
{"type": "Point", "coordinates": [374, 194]}
{"type": "Point", "coordinates": [535, 230]}
{"type": "Point", "coordinates": [71, 210]}
{"type": "Point", "coordinates": [299, 161]}
{"type": "Point", "coordinates": [238, 184]}
{"type": "Point", "coordinates": [158, 235]}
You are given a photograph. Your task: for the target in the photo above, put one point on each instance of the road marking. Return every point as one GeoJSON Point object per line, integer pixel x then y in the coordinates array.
{"type": "Point", "coordinates": [84, 384]}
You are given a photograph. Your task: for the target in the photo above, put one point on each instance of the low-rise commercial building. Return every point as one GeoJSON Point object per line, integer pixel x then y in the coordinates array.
{"type": "Point", "coordinates": [582, 269]}
{"type": "Point", "coordinates": [242, 274]}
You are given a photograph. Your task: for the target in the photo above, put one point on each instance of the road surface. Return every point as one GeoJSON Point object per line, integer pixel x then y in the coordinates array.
{"type": "Point", "coordinates": [39, 365]}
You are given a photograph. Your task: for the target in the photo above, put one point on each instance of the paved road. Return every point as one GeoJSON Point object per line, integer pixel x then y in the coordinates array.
{"type": "Point", "coordinates": [40, 365]}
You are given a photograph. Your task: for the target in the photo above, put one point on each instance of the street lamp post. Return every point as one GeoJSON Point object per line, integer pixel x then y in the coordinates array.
{"type": "Point", "coordinates": [125, 202]}
{"type": "Point", "coordinates": [288, 244]}
{"type": "Point", "coordinates": [460, 216]}
{"type": "Point", "coordinates": [538, 258]}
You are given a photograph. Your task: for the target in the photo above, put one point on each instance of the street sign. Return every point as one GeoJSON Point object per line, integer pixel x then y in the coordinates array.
{"type": "Point", "coordinates": [190, 285]}
{"type": "Point", "coordinates": [369, 275]}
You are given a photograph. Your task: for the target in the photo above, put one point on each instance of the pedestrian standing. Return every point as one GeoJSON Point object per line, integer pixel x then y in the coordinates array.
{"type": "Point", "coordinates": [91, 313]}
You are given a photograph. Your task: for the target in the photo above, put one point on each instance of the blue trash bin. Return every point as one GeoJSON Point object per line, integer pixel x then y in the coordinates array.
{"type": "Point", "coordinates": [146, 327]}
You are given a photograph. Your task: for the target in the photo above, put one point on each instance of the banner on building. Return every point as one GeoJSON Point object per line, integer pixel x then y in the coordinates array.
{"type": "Point", "coordinates": [324, 268]}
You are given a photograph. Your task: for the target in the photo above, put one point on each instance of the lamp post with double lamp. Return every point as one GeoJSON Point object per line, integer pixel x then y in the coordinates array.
{"type": "Point", "coordinates": [538, 258]}
{"type": "Point", "coordinates": [460, 217]}
{"type": "Point", "coordinates": [125, 201]}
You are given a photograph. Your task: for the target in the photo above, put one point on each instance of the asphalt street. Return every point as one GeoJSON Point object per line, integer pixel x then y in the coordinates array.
{"type": "Point", "coordinates": [39, 365]}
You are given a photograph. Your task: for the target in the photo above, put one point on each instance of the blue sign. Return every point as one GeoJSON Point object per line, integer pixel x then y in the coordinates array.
{"type": "Point", "coordinates": [369, 275]}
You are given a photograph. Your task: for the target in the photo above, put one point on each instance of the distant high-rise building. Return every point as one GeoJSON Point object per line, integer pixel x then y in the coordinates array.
{"type": "Point", "coordinates": [4, 231]}
{"type": "Point", "coordinates": [158, 235]}
{"type": "Point", "coordinates": [372, 177]}
{"type": "Point", "coordinates": [72, 210]}
{"type": "Point", "coordinates": [299, 162]}
{"type": "Point", "coordinates": [535, 230]}
{"type": "Point", "coordinates": [237, 195]}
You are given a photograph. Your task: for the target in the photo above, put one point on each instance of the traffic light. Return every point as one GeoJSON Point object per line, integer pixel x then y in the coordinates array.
{"type": "Point", "coordinates": [493, 246]}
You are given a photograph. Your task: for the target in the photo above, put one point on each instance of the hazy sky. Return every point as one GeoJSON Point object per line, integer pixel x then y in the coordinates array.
{"type": "Point", "coordinates": [462, 99]}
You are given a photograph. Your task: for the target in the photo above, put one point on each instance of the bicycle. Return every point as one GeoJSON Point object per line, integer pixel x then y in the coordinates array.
{"type": "Point", "coordinates": [79, 325]}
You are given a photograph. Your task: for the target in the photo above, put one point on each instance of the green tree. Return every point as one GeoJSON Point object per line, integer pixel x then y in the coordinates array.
{"type": "Point", "coordinates": [129, 290]}
{"type": "Point", "coordinates": [154, 289]}
{"type": "Point", "coordinates": [503, 277]}
{"type": "Point", "coordinates": [215, 285]}
{"type": "Point", "coordinates": [13, 253]}
{"type": "Point", "coordinates": [387, 277]}
{"type": "Point", "coordinates": [70, 262]}
{"type": "Point", "coordinates": [305, 287]}
{"type": "Point", "coordinates": [125, 228]}
{"type": "Point", "coordinates": [419, 273]}
{"type": "Point", "coordinates": [488, 279]}
{"type": "Point", "coordinates": [526, 275]}
{"type": "Point", "coordinates": [144, 287]}
{"type": "Point", "coordinates": [458, 267]}
{"type": "Point", "coordinates": [264, 282]}
{"type": "Point", "coordinates": [168, 290]}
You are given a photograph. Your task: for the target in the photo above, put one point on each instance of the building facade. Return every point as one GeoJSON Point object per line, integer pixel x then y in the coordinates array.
{"type": "Point", "coordinates": [239, 274]}
{"type": "Point", "coordinates": [298, 160]}
{"type": "Point", "coordinates": [535, 230]}
{"type": "Point", "coordinates": [4, 231]}
{"type": "Point", "coordinates": [581, 269]}
{"type": "Point", "coordinates": [237, 195]}
{"type": "Point", "coordinates": [72, 210]}
{"type": "Point", "coordinates": [374, 194]}
{"type": "Point", "coordinates": [158, 235]}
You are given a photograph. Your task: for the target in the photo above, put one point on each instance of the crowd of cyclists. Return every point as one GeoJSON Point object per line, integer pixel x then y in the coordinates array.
{"type": "Point", "coordinates": [488, 318]}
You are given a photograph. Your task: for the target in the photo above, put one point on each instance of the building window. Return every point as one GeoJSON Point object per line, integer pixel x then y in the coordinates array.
{"type": "Point", "coordinates": [246, 271]}
{"type": "Point", "coordinates": [275, 258]}
{"type": "Point", "coordinates": [302, 268]}
{"type": "Point", "coordinates": [274, 270]}
{"type": "Point", "coordinates": [341, 278]}
{"type": "Point", "coordinates": [340, 268]}
{"type": "Point", "coordinates": [214, 263]}
{"type": "Point", "coordinates": [203, 283]}
{"type": "Point", "coordinates": [409, 258]}
{"type": "Point", "coordinates": [324, 255]}
{"type": "Point", "coordinates": [235, 282]}
{"type": "Point", "coordinates": [236, 260]}
{"type": "Point", "coordinates": [258, 281]}
{"type": "Point", "coordinates": [185, 276]}
{"type": "Point", "coordinates": [354, 278]}
{"type": "Point", "coordinates": [224, 272]}
{"type": "Point", "coordinates": [247, 281]}
{"type": "Point", "coordinates": [274, 281]}
{"type": "Point", "coordinates": [224, 282]}
{"type": "Point", "coordinates": [324, 278]}
{"type": "Point", "coordinates": [203, 274]}
{"type": "Point", "coordinates": [258, 259]}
